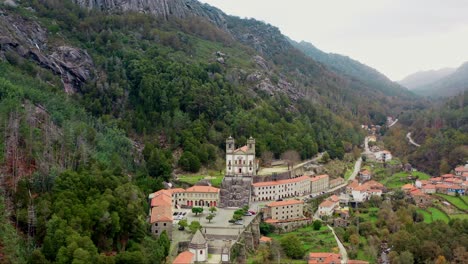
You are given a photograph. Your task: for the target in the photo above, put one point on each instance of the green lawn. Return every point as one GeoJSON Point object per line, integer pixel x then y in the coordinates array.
{"type": "Point", "coordinates": [394, 181]}
{"type": "Point", "coordinates": [438, 215]}
{"type": "Point", "coordinates": [427, 216]}
{"type": "Point", "coordinates": [456, 201]}
{"type": "Point", "coordinates": [216, 178]}
{"type": "Point", "coordinates": [464, 198]}
{"type": "Point", "coordinates": [313, 241]}
{"type": "Point", "coordinates": [370, 215]}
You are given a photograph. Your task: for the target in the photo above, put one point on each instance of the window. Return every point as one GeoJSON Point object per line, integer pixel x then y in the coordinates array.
{"type": "Point", "coordinates": [201, 251]}
{"type": "Point", "coordinates": [164, 224]}
{"type": "Point", "coordinates": [156, 224]}
{"type": "Point", "coordinates": [156, 231]}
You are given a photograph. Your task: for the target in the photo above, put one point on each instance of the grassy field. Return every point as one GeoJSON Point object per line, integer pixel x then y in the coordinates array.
{"type": "Point", "coordinates": [427, 216]}
{"type": "Point", "coordinates": [370, 215]}
{"type": "Point", "coordinates": [395, 181]}
{"type": "Point", "coordinates": [459, 216]}
{"type": "Point", "coordinates": [314, 241]}
{"type": "Point", "coordinates": [215, 178]}
{"type": "Point", "coordinates": [438, 215]}
{"type": "Point", "coordinates": [464, 198]}
{"type": "Point", "coordinates": [456, 201]}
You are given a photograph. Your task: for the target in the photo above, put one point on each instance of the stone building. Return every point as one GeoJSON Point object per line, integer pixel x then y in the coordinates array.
{"type": "Point", "coordinates": [319, 183]}
{"type": "Point", "coordinates": [198, 196]}
{"type": "Point", "coordinates": [287, 215]}
{"type": "Point", "coordinates": [274, 190]}
{"type": "Point", "coordinates": [199, 247]}
{"type": "Point", "coordinates": [161, 215]}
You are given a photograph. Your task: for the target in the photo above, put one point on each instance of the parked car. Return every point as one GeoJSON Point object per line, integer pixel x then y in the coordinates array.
{"type": "Point", "coordinates": [181, 228]}
{"type": "Point", "coordinates": [238, 222]}
{"type": "Point", "coordinates": [248, 214]}
{"type": "Point", "coordinates": [175, 213]}
{"type": "Point", "coordinates": [252, 212]}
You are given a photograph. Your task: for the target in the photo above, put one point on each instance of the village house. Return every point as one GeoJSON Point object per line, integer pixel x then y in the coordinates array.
{"type": "Point", "coordinates": [328, 206]}
{"type": "Point", "coordinates": [361, 192]}
{"type": "Point", "coordinates": [161, 214]}
{"type": "Point", "coordinates": [287, 214]}
{"type": "Point", "coordinates": [364, 175]}
{"type": "Point", "coordinates": [319, 183]}
{"type": "Point", "coordinates": [343, 218]}
{"type": "Point", "coordinates": [462, 171]}
{"type": "Point", "coordinates": [330, 258]}
{"type": "Point", "coordinates": [383, 156]}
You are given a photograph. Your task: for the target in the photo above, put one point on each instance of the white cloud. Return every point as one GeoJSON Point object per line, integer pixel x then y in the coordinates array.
{"type": "Point", "coordinates": [398, 37]}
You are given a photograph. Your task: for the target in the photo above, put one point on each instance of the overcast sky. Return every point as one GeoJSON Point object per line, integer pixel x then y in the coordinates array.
{"type": "Point", "coordinates": [397, 37]}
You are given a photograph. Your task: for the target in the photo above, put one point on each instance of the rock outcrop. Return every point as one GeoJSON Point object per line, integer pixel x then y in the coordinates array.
{"type": "Point", "coordinates": [162, 8]}
{"type": "Point", "coordinates": [28, 39]}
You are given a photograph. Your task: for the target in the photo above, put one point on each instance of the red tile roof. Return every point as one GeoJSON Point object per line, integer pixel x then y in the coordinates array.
{"type": "Point", "coordinates": [271, 183]}
{"type": "Point", "coordinates": [407, 186]}
{"type": "Point", "coordinates": [461, 168]}
{"type": "Point", "coordinates": [161, 200]}
{"type": "Point", "coordinates": [284, 203]}
{"type": "Point", "coordinates": [205, 189]}
{"type": "Point", "coordinates": [161, 214]}
{"type": "Point", "coordinates": [334, 198]}
{"type": "Point", "coordinates": [265, 239]}
{"type": "Point", "coordinates": [243, 149]}
{"type": "Point", "coordinates": [428, 186]}
{"type": "Point", "coordinates": [326, 258]}
{"type": "Point", "coordinates": [327, 203]}
{"type": "Point", "coordinates": [448, 176]}
{"type": "Point", "coordinates": [185, 257]}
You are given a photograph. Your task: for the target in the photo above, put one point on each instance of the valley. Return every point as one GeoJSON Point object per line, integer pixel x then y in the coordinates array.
{"type": "Point", "coordinates": [171, 132]}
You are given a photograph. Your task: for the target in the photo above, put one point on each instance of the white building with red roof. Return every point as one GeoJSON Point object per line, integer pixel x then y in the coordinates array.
{"type": "Point", "coordinates": [288, 214]}
{"type": "Point", "coordinates": [274, 190]}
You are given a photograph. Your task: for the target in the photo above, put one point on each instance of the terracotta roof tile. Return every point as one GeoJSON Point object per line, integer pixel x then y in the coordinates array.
{"type": "Point", "coordinates": [243, 149]}
{"type": "Point", "coordinates": [265, 239]}
{"type": "Point", "coordinates": [161, 214]}
{"type": "Point", "coordinates": [206, 189]}
{"type": "Point", "coordinates": [284, 203]}
{"type": "Point", "coordinates": [185, 257]}
{"type": "Point", "coordinates": [271, 183]}
{"type": "Point", "coordinates": [319, 177]}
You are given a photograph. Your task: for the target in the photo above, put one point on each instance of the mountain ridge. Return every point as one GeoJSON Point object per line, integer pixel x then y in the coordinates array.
{"type": "Point", "coordinates": [419, 79]}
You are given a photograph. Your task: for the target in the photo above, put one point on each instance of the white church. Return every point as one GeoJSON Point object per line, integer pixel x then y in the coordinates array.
{"type": "Point", "coordinates": [241, 161]}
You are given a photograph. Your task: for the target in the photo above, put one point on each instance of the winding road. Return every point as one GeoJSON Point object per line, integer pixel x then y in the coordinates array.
{"type": "Point", "coordinates": [343, 253]}
{"type": "Point", "coordinates": [408, 136]}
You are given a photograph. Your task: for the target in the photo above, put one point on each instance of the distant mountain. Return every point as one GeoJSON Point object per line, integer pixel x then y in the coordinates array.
{"type": "Point", "coordinates": [449, 85]}
{"type": "Point", "coordinates": [344, 65]}
{"type": "Point", "coordinates": [422, 78]}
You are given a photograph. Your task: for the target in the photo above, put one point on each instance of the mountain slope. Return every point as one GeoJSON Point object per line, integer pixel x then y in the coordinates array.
{"type": "Point", "coordinates": [450, 85]}
{"type": "Point", "coordinates": [420, 79]}
{"type": "Point", "coordinates": [352, 68]}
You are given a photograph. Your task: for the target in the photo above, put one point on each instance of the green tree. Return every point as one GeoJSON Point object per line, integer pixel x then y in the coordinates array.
{"type": "Point", "coordinates": [194, 226]}
{"type": "Point", "coordinates": [189, 162]}
{"type": "Point", "coordinates": [212, 209]}
{"type": "Point", "coordinates": [317, 224]}
{"type": "Point", "coordinates": [197, 210]}
{"type": "Point", "coordinates": [292, 246]}
{"type": "Point", "coordinates": [183, 223]}
{"type": "Point", "coordinates": [210, 217]}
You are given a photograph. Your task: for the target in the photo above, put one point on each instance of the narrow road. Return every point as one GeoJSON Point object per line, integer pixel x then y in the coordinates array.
{"type": "Point", "coordinates": [343, 253]}
{"type": "Point", "coordinates": [357, 168]}
{"type": "Point", "coordinates": [408, 136]}
{"type": "Point", "coordinates": [394, 122]}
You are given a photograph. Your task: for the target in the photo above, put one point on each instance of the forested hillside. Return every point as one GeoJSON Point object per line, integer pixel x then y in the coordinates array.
{"type": "Point", "coordinates": [442, 132]}
{"type": "Point", "coordinates": [98, 108]}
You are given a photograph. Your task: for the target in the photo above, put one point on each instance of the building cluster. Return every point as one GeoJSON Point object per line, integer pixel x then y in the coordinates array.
{"type": "Point", "coordinates": [329, 205]}
{"type": "Point", "coordinates": [450, 184]}
{"type": "Point", "coordinates": [162, 203]}
{"type": "Point", "coordinates": [360, 192]}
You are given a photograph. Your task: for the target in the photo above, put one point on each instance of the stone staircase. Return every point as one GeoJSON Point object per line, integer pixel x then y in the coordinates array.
{"type": "Point", "coordinates": [235, 191]}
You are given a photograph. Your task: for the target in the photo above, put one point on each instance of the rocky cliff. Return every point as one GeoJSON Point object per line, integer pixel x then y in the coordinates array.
{"type": "Point", "coordinates": [27, 39]}
{"type": "Point", "coordinates": [163, 8]}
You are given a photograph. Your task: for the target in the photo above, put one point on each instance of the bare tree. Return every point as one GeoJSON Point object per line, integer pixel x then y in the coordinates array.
{"type": "Point", "coordinates": [267, 157]}
{"type": "Point", "coordinates": [292, 157]}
